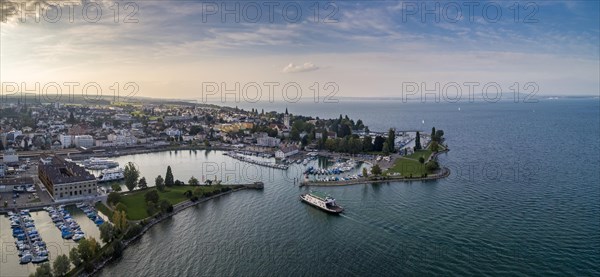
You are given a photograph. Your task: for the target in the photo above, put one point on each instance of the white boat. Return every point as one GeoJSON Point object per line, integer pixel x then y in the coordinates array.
{"type": "Point", "coordinates": [99, 163]}
{"type": "Point", "coordinates": [109, 175]}
{"type": "Point", "coordinates": [27, 258]}
{"type": "Point", "coordinates": [39, 259]}
{"type": "Point", "coordinates": [78, 236]}
{"type": "Point", "coordinates": [321, 201]}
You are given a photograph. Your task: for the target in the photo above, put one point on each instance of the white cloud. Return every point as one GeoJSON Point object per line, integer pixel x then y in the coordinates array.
{"type": "Point", "coordinates": [306, 67]}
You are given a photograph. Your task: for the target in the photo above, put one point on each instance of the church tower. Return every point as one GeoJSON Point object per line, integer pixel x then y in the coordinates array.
{"type": "Point", "coordinates": [286, 119]}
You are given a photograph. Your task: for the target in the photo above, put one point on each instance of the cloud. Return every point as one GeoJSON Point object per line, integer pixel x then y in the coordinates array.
{"type": "Point", "coordinates": [306, 67]}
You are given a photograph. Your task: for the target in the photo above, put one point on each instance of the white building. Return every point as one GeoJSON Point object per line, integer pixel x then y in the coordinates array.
{"type": "Point", "coordinates": [172, 132]}
{"type": "Point", "coordinates": [10, 156]}
{"type": "Point", "coordinates": [286, 151]}
{"type": "Point", "coordinates": [267, 141]}
{"type": "Point", "coordinates": [86, 141]}
{"type": "Point", "coordinates": [66, 140]}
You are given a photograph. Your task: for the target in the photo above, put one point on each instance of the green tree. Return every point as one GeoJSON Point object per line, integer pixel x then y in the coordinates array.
{"type": "Point", "coordinates": [116, 187]}
{"type": "Point", "coordinates": [75, 257]}
{"type": "Point", "coordinates": [62, 265]}
{"type": "Point", "coordinates": [385, 148]}
{"type": "Point", "coordinates": [165, 206]}
{"type": "Point", "coordinates": [432, 133]}
{"type": "Point", "coordinates": [152, 196]}
{"type": "Point", "coordinates": [391, 140]}
{"type": "Point", "coordinates": [378, 144]}
{"type": "Point", "coordinates": [131, 176]}
{"type": "Point", "coordinates": [142, 184]}
{"type": "Point", "coordinates": [418, 142]}
{"type": "Point", "coordinates": [107, 232]}
{"type": "Point", "coordinates": [43, 270]}
{"type": "Point", "coordinates": [160, 183]}
{"type": "Point", "coordinates": [364, 172]}
{"type": "Point", "coordinates": [376, 170]}
{"type": "Point", "coordinates": [367, 144]}
{"type": "Point", "coordinates": [169, 181]}
{"type": "Point", "coordinates": [432, 165]}
{"type": "Point", "coordinates": [113, 198]}
{"type": "Point", "coordinates": [193, 181]}
{"type": "Point", "coordinates": [88, 249]}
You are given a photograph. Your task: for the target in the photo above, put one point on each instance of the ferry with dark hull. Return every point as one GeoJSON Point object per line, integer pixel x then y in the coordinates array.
{"type": "Point", "coordinates": [322, 201]}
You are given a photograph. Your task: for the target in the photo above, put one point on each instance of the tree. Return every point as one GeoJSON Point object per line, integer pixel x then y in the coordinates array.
{"type": "Point", "coordinates": [421, 161]}
{"type": "Point", "coordinates": [432, 165]}
{"type": "Point", "coordinates": [385, 148]}
{"type": "Point", "coordinates": [432, 133]}
{"type": "Point", "coordinates": [119, 218]}
{"type": "Point", "coordinates": [116, 187]}
{"type": "Point", "coordinates": [391, 140]}
{"type": "Point", "coordinates": [188, 193]}
{"type": "Point", "coordinates": [142, 184]}
{"type": "Point", "coordinates": [367, 144]}
{"type": "Point", "coordinates": [107, 232]}
{"type": "Point", "coordinates": [165, 206]}
{"type": "Point", "coordinates": [131, 176]}
{"type": "Point", "coordinates": [43, 270]}
{"type": "Point", "coordinates": [378, 143]}
{"type": "Point", "coordinates": [418, 142]}
{"type": "Point", "coordinates": [193, 181]}
{"type": "Point", "coordinates": [152, 196]}
{"type": "Point", "coordinates": [364, 172]}
{"type": "Point", "coordinates": [88, 249]}
{"type": "Point", "coordinates": [75, 257]}
{"type": "Point", "coordinates": [160, 183]}
{"type": "Point", "coordinates": [376, 170]}
{"type": "Point", "coordinates": [113, 198]}
{"type": "Point", "coordinates": [62, 265]}
{"type": "Point", "coordinates": [169, 181]}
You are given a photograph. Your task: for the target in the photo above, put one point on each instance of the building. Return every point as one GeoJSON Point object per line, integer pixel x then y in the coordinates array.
{"type": "Point", "coordinates": [66, 140]}
{"type": "Point", "coordinates": [2, 170]}
{"type": "Point", "coordinates": [8, 184]}
{"type": "Point", "coordinates": [267, 141]}
{"type": "Point", "coordinates": [66, 180]}
{"type": "Point", "coordinates": [86, 141]}
{"type": "Point", "coordinates": [10, 156]}
{"type": "Point", "coordinates": [286, 151]}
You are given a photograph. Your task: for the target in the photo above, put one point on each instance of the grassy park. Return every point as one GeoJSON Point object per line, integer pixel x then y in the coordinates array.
{"type": "Point", "coordinates": [137, 206]}
{"type": "Point", "coordinates": [410, 165]}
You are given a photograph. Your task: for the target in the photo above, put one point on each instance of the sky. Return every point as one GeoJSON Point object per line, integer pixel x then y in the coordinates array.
{"type": "Point", "coordinates": [261, 50]}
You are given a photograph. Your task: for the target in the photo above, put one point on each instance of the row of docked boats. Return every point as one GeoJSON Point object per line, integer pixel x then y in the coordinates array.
{"type": "Point", "coordinates": [29, 243]}
{"type": "Point", "coordinates": [241, 157]}
{"type": "Point", "coordinates": [63, 220]}
{"type": "Point", "coordinates": [91, 213]}
{"type": "Point", "coordinates": [337, 168]}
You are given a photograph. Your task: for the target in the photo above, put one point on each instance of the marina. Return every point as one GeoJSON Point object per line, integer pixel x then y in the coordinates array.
{"type": "Point", "coordinates": [31, 248]}
{"type": "Point", "coordinates": [241, 156]}
{"type": "Point", "coordinates": [63, 220]}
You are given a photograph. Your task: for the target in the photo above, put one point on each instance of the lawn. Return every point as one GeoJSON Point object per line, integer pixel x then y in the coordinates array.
{"type": "Point", "coordinates": [411, 164]}
{"type": "Point", "coordinates": [136, 201]}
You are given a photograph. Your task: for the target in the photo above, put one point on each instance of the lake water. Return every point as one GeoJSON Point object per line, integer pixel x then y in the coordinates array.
{"type": "Point", "coordinates": [523, 199]}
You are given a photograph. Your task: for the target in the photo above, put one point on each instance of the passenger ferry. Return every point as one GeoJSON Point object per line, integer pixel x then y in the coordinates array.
{"type": "Point", "coordinates": [109, 175]}
{"type": "Point", "coordinates": [321, 201]}
{"type": "Point", "coordinates": [99, 163]}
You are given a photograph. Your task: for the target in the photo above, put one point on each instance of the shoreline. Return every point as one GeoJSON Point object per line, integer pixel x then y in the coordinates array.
{"type": "Point", "coordinates": [176, 209]}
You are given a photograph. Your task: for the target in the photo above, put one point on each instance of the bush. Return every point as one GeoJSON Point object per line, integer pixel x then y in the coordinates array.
{"type": "Point", "coordinates": [194, 198]}
{"type": "Point", "coordinates": [179, 183]}
{"type": "Point", "coordinates": [152, 196]}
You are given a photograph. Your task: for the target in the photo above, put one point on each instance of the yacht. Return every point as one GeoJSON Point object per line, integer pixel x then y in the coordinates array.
{"type": "Point", "coordinates": [321, 201]}
{"type": "Point", "coordinates": [109, 175]}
